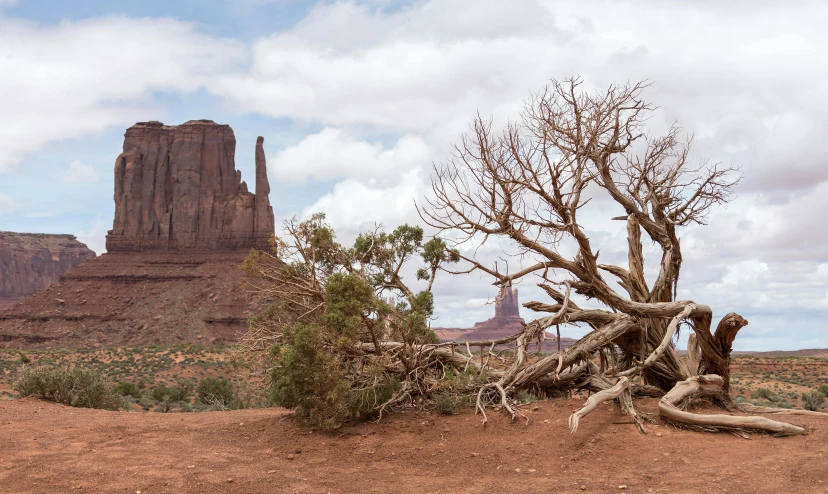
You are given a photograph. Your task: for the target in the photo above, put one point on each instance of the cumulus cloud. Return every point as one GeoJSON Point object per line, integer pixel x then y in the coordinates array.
{"type": "Point", "coordinates": [95, 236]}
{"type": "Point", "coordinates": [76, 78]}
{"type": "Point", "coordinates": [354, 206]}
{"type": "Point", "coordinates": [335, 154]}
{"type": "Point", "coordinates": [6, 204]}
{"type": "Point", "coordinates": [434, 63]}
{"type": "Point", "coordinates": [79, 173]}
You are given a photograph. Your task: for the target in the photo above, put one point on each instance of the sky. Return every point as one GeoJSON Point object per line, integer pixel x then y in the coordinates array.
{"type": "Point", "coordinates": [357, 100]}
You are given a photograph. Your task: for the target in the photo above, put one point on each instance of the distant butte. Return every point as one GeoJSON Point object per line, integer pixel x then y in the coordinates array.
{"type": "Point", "coordinates": [30, 262]}
{"type": "Point", "coordinates": [184, 222]}
{"type": "Point", "coordinates": [177, 187]}
{"type": "Point", "coordinates": [506, 322]}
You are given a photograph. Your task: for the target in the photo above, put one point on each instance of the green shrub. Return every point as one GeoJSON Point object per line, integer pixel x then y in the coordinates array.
{"type": "Point", "coordinates": [184, 388]}
{"type": "Point", "coordinates": [162, 392]}
{"type": "Point", "coordinates": [127, 389]}
{"type": "Point", "coordinates": [77, 387]}
{"type": "Point", "coordinates": [823, 389]}
{"type": "Point", "coordinates": [214, 390]}
{"type": "Point", "coordinates": [146, 402]}
{"type": "Point", "coordinates": [24, 359]}
{"type": "Point", "coordinates": [813, 400]}
{"type": "Point", "coordinates": [181, 392]}
{"type": "Point", "coordinates": [762, 393]}
{"type": "Point", "coordinates": [524, 397]}
{"type": "Point", "coordinates": [309, 380]}
{"type": "Point", "coordinates": [448, 403]}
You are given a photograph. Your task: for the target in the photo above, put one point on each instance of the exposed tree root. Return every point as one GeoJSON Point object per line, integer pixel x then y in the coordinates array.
{"type": "Point", "coordinates": [593, 401]}
{"type": "Point", "coordinates": [711, 385]}
{"type": "Point", "coordinates": [626, 401]}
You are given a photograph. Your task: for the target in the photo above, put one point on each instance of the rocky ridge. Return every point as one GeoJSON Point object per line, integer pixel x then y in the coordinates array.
{"type": "Point", "coordinates": [30, 262]}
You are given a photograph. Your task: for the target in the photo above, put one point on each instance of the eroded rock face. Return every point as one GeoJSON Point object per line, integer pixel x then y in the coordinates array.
{"type": "Point", "coordinates": [506, 322]}
{"type": "Point", "coordinates": [507, 303]}
{"type": "Point", "coordinates": [30, 262]}
{"type": "Point", "coordinates": [136, 299]}
{"type": "Point", "coordinates": [177, 188]}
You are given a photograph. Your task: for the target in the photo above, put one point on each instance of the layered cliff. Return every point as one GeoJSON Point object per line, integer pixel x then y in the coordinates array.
{"type": "Point", "coordinates": [30, 262]}
{"type": "Point", "coordinates": [136, 299]}
{"type": "Point", "coordinates": [177, 188]}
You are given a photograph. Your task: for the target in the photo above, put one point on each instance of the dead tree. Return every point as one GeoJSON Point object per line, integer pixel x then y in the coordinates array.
{"type": "Point", "coordinates": [529, 183]}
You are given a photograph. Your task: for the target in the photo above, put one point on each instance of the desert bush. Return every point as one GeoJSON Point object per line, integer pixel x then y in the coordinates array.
{"type": "Point", "coordinates": [213, 390]}
{"type": "Point", "coordinates": [162, 392]}
{"type": "Point", "coordinates": [447, 403]}
{"type": "Point", "coordinates": [146, 402]}
{"type": "Point", "coordinates": [813, 400]}
{"type": "Point", "coordinates": [317, 364]}
{"type": "Point", "coordinates": [77, 387]}
{"type": "Point", "coordinates": [524, 396]}
{"type": "Point", "coordinates": [762, 393]}
{"type": "Point", "coordinates": [310, 380]}
{"type": "Point", "coordinates": [823, 389]}
{"type": "Point", "coordinates": [127, 389]}
{"type": "Point", "coordinates": [185, 388]}
{"type": "Point", "coordinates": [181, 392]}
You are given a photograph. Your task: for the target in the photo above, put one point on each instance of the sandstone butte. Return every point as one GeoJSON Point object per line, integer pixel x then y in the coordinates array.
{"type": "Point", "coordinates": [506, 322]}
{"type": "Point", "coordinates": [184, 221]}
{"type": "Point", "coordinates": [177, 188]}
{"type": "Point", "coordinates": [30, 262]}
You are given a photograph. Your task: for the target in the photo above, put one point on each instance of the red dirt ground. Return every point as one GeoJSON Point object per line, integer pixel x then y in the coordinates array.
{"type": "Point", "coordinates": [52, 448]}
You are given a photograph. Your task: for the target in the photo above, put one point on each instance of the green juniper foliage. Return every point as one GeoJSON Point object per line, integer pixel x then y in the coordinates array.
{"type": "Point", "coordinates": [334, 316]}
{"type": "Point", "coordinates": [215, 390]}
{"type": "Point", "coordinates": [128, 389]}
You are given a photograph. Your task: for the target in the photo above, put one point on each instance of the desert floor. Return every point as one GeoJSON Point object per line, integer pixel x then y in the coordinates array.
{"type": "Point", "coordinates": [46, 447]}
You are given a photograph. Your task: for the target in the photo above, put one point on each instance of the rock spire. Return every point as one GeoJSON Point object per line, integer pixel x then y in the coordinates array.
{"type": "Point", "coordinates": [507, 303]}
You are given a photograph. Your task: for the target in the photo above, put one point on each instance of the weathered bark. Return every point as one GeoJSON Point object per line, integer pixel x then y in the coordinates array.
{"type": "Point", "coordinates": [693, 355]}
{"type": "Point", "coordinates": [596, 399]}
{"type": "Point", "coordinates": [716, 347]}
{"type": "Point", "coordinates": [712, 385]}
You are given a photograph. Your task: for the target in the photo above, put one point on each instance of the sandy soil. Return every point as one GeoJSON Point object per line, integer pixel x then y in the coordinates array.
{"type": "Point", "coordinates": [52, 448]}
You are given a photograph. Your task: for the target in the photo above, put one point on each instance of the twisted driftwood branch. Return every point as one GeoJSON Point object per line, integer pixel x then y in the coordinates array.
{"type": "Point", "coordinates": [711, 385]}
{"type": "Point", "coordinates": [594, 400]}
